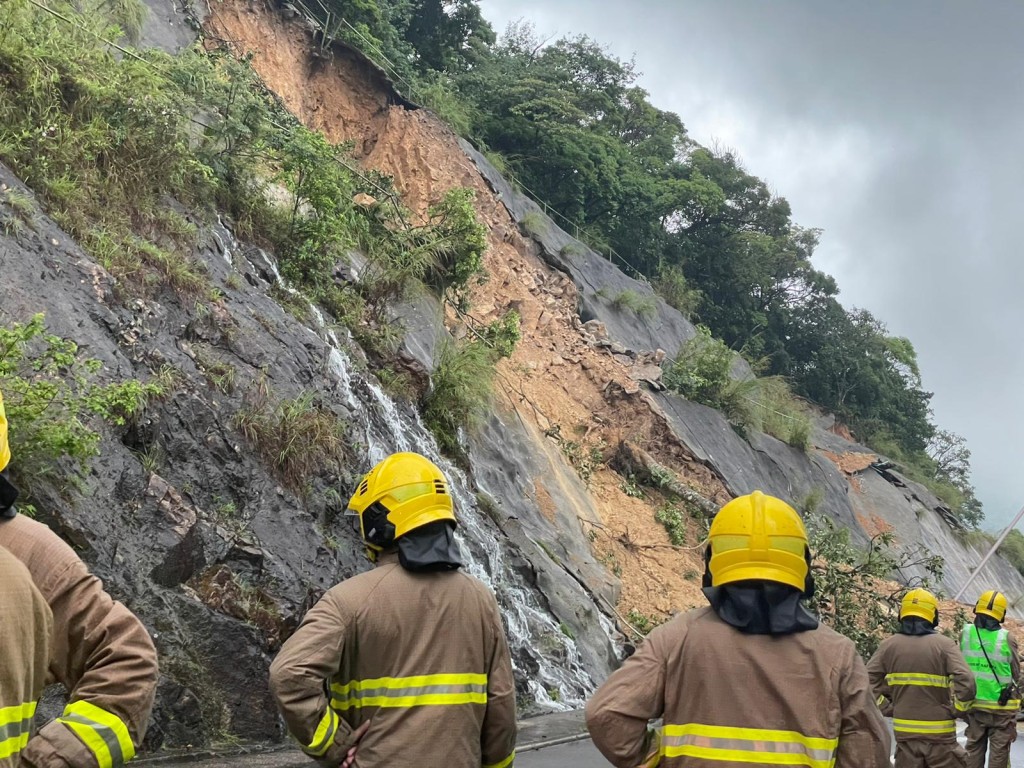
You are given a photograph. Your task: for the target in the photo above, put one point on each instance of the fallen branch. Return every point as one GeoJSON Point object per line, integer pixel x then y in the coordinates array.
{"type": "Point", "coordinates": [632, 460]}
{"type": "Point", "coordinates": [640, 635]}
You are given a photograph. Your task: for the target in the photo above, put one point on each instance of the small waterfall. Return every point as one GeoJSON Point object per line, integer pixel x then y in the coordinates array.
{"type": "Point", "coordinates": [543, 654]}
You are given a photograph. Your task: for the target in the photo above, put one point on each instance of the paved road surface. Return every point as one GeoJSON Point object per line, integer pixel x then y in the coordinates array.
{"type": "Point", "coordinates": [578, 754]}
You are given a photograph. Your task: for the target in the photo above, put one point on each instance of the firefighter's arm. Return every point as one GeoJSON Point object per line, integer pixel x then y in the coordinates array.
{"type": "Point", "coordinates": [863, 736]}
{"type": "Point", "coordinates": [964, 686]}
{"type": "Point", "coordinates": [300, 677]}
{"type": "Point", "coordinates": [880, 689]}
{"type": "Point", "coordinates": [104, 657]}
{"type": "Point", "coordinates": [498, 736]}
{"type": "Point", "coordinates": [618, 712]}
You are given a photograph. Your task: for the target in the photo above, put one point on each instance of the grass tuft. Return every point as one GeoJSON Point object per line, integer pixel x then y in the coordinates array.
{"type": "Point", "coordinates": [298, 438]}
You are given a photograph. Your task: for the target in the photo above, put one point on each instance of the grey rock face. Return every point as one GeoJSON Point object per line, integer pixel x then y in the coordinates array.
{"type": "Point", "coordinates": [214, 552]}
{"type": "Point", "coordinates": [544, 510]}
{"type": "Point", "coordinates": [760, 462]}
{"type": "Point", "coordinates": [600, 281]}
{"type": "Point", "coordinates": [172, 25]}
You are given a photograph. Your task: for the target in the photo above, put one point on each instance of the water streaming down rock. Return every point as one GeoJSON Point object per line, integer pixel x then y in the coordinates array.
{"type": "Point", "coordinates": [547, 662]}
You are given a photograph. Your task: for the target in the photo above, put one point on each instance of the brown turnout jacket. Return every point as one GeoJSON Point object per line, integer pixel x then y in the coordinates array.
{"type": "Point", "coordinates": [101, 653]}
{"type": "Point", "coordinates": [729, 698]}
{"type": "Point", "coordinates": [25, 626]}
{"type": "Point", "coordinates": [927, 682]}
{"type": "Point", "coordinates": [421, 656]}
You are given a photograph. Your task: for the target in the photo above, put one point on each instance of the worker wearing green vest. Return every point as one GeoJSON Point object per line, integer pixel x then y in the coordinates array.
{"type": "Point", "coordinates": [991, 653]}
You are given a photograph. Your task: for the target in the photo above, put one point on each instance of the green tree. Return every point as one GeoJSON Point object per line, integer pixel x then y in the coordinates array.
{"type": "Point", "coordinates": [1012, 549]}
{"type": "Point", "coordinates": [847, 582]}
{"type": "Point", "coordinates": [952, 465]}
{"type": "Point", "coordinates": [445, 32]}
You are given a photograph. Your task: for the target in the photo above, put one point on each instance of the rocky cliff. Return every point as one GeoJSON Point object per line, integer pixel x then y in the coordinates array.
{"type": "Point", "coordinates": [220, 556]}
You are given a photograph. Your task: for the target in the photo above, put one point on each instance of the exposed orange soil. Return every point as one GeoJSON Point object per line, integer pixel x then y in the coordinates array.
{"type": "Point", "coordinates": [554, 377]}
{"type": "Point", "coordinates": [851, 463]}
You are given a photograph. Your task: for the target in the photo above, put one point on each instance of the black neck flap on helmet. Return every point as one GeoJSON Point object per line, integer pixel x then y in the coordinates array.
{"type": "Point", "coordinates": [915, 625]}
{"type": "Point", "coordinates": [431, 547]}
{"type": "Point", "coordinates": [8, 495]}
{"type": "Point", "coordinates": [981, 621]}
{"type": "Point", "coordinates": [761, 607]}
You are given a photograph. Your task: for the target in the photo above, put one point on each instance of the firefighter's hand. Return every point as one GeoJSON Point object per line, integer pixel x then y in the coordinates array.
{"type": "Point", "coordinates": [357, 735]}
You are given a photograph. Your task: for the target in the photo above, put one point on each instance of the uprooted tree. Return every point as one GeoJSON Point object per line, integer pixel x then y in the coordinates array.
{"type": "Point", "coordinates": [853, 590]}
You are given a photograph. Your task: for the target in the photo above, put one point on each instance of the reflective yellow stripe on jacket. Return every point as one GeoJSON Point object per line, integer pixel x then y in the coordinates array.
{"type": "Point", "coordinates": [415, 691]}
{"type": "Point", "coordinates": [747, 745]}
{"type": "Point", "coordinates": [15, 728]}
{"type": "Point", "coordinates": [916, 678]}
{"type": "Point", "coordinates": [5, 448]}
{"type": "Point", "coordinates": [994, 706]}
{"type": "Point", "coordinates": [930, 727]}
{"type": "Point", "coordinates": [503, 763]}
{"type": "Point", "coordinates": [324, 736]}
{"type": "Point", "coordinates": [104, 733]}
{"type": "Point", "coordinates": [962, 706]}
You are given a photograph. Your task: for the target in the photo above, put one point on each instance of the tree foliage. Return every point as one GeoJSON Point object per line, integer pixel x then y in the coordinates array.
{"type": "Point", "coordinates": [571, 123]}
{"type": "Point", "coordinates": [410, 38]}
{"type": "Point", "coordinates": [950, 461]}
{"type": "Point", "coordinates": [852, 593]}
{"type": "Point", "coordinates": [1012, 549]}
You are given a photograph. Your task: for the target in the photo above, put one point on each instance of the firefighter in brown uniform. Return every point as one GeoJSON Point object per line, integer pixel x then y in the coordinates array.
{"type": "Point", "coordinates": [752, 680]}
{"type": "Point", "coordinates": [25, 626]}
{"type": "Point", "coordinates": [991, 653]}
{"type": "Point", "coordinates": [921, 676]}
{"type": "Point", "coordinates": [406, 664]}
{"type": "Point", "coordinates": [101, 652]}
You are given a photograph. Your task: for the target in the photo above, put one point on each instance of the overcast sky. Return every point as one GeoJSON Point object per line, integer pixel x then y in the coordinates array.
{"type": "Point", "coordinates": [897, 129]}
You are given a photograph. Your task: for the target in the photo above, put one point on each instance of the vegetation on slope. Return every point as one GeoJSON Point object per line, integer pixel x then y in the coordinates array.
{"type": "Point", "coordinates": [570, 122]}
{"type": "Point", "coordinates": [1012, 548]}
{"type": "Point", "coordinates": [112, 146]}
{"type": "Point", "coordinates": [128, 149]}
{"type": "Point", "coordinates": [852, 592]}
{"type": "Point", "coordinates": [54, 400]}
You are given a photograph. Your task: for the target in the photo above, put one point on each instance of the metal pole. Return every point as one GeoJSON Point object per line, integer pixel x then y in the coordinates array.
{"type": "Point", "coordinates": [990, 552]}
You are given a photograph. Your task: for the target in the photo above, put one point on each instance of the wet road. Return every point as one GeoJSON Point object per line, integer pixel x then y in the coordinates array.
{"type": "Point", "coordinates": [578, 753]}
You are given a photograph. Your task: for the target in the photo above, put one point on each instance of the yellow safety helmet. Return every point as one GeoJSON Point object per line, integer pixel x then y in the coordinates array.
{"type": "Point", "coordinates": [5, 448]}
{"type": "Point", "coordinates": [922, 603]}
{"type": "Point", "coordinates": [992, 604]}
{"type": "Point", "coordinates": [403, 492]}
{"type": "Point", "coordinates": [758, 537]}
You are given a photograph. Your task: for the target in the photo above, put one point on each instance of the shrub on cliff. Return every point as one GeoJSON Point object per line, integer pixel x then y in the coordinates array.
{"type": "Point", "coordinates": [854, 593]}
{"type": "Point", "coordinates": [54, 401]}
{"type": "Point", "coordinates": [462, 384]}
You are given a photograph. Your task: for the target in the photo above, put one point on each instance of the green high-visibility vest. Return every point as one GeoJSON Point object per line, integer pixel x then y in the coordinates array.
{"type": "Point", "coordinates": [991, 673]}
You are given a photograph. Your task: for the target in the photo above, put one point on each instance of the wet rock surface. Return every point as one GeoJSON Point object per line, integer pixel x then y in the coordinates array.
{"type": "Point", "coordinates": [214, 550]}
{"type": "Point", "coordinates": [541, 508]}
{"type": "Point", "coordinates": [171, 25]}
